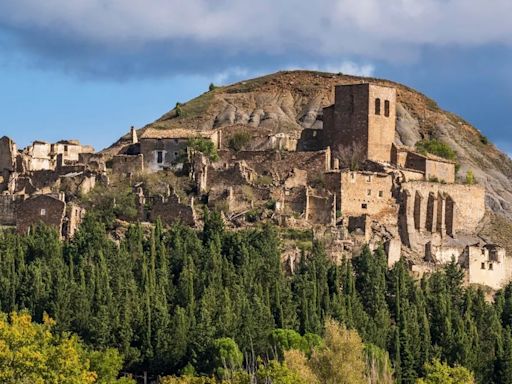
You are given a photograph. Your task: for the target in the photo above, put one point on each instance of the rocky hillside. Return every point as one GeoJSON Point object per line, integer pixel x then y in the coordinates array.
{"type": "Point", "coordinates": [293, 100]}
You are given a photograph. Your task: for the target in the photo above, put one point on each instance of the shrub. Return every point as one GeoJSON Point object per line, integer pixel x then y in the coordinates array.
{"type": "Point", "coordinates": [212, 87]}
{"type": "Point", "coordinates": [484, 140]}
{"type": "Point", "coordinates": [264, 180]}
{"type": "Point", "coordinates": [470, 177]}
{"type": "Point", "coordinates": [204, 146]}
{"type": "Point", "coordinates": [436, 147]}
{"type": "Point", "coordinates": [179, 110]}
{"type": "Point", "coordinates": [239, 140]}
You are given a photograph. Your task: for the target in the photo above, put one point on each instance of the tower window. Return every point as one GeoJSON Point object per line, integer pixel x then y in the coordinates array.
{"type": "Point", "coordinates": [386, 108]}
{"type": "Point", "coordinates": [381, 193]}
{"type": "Point", "coordinates": [364, 206]}
{"type": "Point", "coordinates": [482, 265]}
{"type": "Point", "coordinates": [160, 157]}
{"type": "Point", "coordinates": [377, 106]}
{"type": "Point", "coordinates": [490, 266]}
{"type": "Point", "coordinates": [369, 192]}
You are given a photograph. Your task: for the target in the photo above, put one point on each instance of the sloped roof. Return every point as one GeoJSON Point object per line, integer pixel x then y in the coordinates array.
{"type": "Point", "coordinates": [178, 133]}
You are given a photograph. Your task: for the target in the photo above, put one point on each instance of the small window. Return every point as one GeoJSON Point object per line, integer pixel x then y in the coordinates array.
{"type": "Point", "coordinates": [159, 157]}
{"type": "Point", "coordinates": [65, 148]}
{"type": "Point", "coordinates": [369, 179]}
{"type": "Point", "coordinates": [314, 133]}
{"type": "Point", "coordinates": [381, 193]}
{"type": "Point", "coordinates": [377, 106]}
{"type": "Point", "coordinates": [364, 206]}
{"type": "Point", "coordinates": [482, 265]}
{"type": "Point", "coordinates": [43, 212]}
{"type": "Point", "coordinates": [175, 154]}
{"type": "Point", "coordinates": [386, 108]}
{"type": "Point", "coordinates": [490, 266]}
{"type": "Point", "coordinates": [369, 192]}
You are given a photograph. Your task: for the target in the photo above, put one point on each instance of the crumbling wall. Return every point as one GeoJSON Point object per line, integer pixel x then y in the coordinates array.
{"type": "Point", "coordinates": [125, 165]}
{"type": "Point", "coordinates": [320, 209]}
{"type": "Point", "coordinates": [486, 265]}
{"type": "Point", "coordinates": [40, 209]}
{"type": "Point", "coordinates": [170, 210]}
{"type": "Point", "coordinates": [463, 206]}
{"type": "Point", "coordinates": [365, 193]}
{"type": "Point", "coordinates": [8, 205]}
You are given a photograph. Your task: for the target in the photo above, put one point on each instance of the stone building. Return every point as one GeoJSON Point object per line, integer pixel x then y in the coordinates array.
{"type": "Point", "coordinates": [361, 192]}
{"type": "Point", "coordinates": [8, 154]}
{"type": "Point", "coordinates": [171, 210]}
{"type": "Point", "coordinates": [486, 265]}
{"type": "Point", "coordinates": [363, 116]}
{"type": "Point", "coordinates": [51, 210]}
{"type": "Point", "coordinates": [163, 149]}
{"type": "Point", "coordinates": [44, 156]}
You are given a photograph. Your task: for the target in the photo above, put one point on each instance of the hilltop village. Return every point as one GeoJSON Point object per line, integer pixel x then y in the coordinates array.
{"type": "Point", "coordinates": [343, 177]}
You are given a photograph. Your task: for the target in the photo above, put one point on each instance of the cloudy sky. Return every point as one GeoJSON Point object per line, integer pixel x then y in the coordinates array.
{"type": "Point", "coordinates": [89, 69]}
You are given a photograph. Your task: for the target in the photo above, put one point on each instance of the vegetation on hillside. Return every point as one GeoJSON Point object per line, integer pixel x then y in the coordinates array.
{"type": "Point", "coordinates": [436, 147]}
{"type": "Point", "coordinates": [178, 301]}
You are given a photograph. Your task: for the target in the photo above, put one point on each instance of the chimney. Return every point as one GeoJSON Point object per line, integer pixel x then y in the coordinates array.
{"type": "Point", "coordinates": [133, 133]}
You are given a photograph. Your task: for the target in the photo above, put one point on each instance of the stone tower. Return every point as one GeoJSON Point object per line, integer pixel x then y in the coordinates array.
{"type": "Point", "coordinates": [363, 117]}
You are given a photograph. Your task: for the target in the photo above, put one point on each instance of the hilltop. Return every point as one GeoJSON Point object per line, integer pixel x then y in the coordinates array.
{"type": "Point", "coordinates": [292, 101]}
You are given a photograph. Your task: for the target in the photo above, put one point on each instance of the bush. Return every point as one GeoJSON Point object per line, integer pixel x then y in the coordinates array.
{"type": "Point", "coordinates": [264, 180]}
{"type": "Point", "coordinates": [239, 140]}
{"type": "Point", "coordinates": [179, 110]}
{"type": "Point", "coordinates": [205, 146]}
{"type": "Point", "coordinates": [212, 87]}
{"type": "Point", "coordinates": [470, 178]}
{"type": "Point", "coordinates": [436, 147]}
{"type": "Point", "coordinates": [484, 140]}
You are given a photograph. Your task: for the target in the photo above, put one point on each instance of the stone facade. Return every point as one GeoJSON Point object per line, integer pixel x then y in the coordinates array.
{"type": "Point", "coordinates": [486, 265]}
{"type": "Point", "coordinates": [44, 209]}
{"type": "Point", "coordinates": [125, 165]}
{"type": "Point", "coordinates": [361, 193]}
{"type": "Point", "coordinates": [170, 210]}
{"type": "Point", "coordinates": [44, 156]}
{"type": "Point", "coordinates": [363, 115]}
{"type": "Point", "coordinates": [8, 154]}
{"type": "Point", "coordinates": [164, 149]}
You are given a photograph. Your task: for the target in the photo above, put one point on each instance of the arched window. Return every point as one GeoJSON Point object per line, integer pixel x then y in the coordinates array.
{"type": "Point", "coordinates": [377, 106]}
{"type": "Point", "coordinates": [386, 108]}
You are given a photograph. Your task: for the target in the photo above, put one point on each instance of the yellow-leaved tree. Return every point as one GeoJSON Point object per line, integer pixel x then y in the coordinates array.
{"type": "Point", "coordinates": [31, 354]}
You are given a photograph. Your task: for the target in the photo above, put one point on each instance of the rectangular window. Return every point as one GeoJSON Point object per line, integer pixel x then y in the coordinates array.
{"type": "Point", "coordinates": [369, 192]}
{"type": "Point", "coordinates": [377, 106]}
{"type": "Point", "coordinates": [369, 179]}
{"type": "Point", "coordinates": [490, 266]}
{"type": "Point", "coordinates": [364, 206]}
{"type": "Point", "coordinates": [381, 193]}
{"type": "Point", "coordinates": [386, 108]}
{"type": "Point", "coordinates": [160, 157]}
{"type": "Point", "coordinates": [482, 266]}
{"type": "Point", "coordinates": [43, 212]}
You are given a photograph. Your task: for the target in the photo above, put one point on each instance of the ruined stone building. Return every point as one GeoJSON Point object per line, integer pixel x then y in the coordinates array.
{"type": "Point", "coordinates": [159, 149]}
{"type": "Point", "coordinates": [43, 156]}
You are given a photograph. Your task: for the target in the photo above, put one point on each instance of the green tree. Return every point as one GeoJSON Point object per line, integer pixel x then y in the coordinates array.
{"type": "Point", "coordinates": [442, 373]}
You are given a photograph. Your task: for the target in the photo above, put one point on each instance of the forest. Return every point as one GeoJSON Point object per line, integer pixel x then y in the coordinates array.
{"type": "Point", "coordinates": [218, 303]}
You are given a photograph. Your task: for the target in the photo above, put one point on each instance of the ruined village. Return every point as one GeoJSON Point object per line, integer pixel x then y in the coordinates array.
{"type": "Point", "coordinates": [342, 177]}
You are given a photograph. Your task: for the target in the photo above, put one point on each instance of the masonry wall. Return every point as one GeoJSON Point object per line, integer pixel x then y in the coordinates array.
{"type": "Point", "coordinates": [440, 170]}
{"type": "Point", "coordinates": [321, 209]}
{"type": "Point", "coordinates": [361, 193]}
{"type": "Point", "coordinates": [171, 150]}
{"type": "Point", "coordinates": [485, 269]}
{"type": "Point", "coordinates": [127, 164]}
{"type": "Point", "coordinates": [172, 210]}
{"type": "Point", "coordinates": [8, 205]}
{"type": "Point", "coordinates": [40, 209]}
{"type": "Point", "coordinates": [381, 126]}
{"type": "Point", "coordinates": [465, 204]}
{"type": "Point", "coordinates": [346, 122]}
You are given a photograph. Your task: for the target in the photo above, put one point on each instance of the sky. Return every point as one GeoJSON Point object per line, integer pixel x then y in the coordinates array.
{"type": "Point", "coordinates": [90, 69]}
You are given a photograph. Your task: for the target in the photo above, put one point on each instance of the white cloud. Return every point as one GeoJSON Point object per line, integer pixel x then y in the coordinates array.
{"type": "Point", "coordinates": [393, 30]}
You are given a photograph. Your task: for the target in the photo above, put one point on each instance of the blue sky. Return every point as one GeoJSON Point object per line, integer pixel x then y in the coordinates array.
{"type": "Point", "coordinates": [89, 69]}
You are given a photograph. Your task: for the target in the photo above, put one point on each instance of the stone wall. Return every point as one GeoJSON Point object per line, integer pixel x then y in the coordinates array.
{"type": "Point", "coordinates": [440, 170]}
{"type": "Point", "coordinates": [125, 165]}
{"type": "Point", "coordinates": [160, 154]}
{"type": "Point", "coordinates": [320, 209]}
{"type": "Point", "coordinates": [170, 210]}
{"type": "Point", "coordinates": [486, 265]}
{"type": "Point", "coordinates": [361, 193]}
{"type": "Point", "coordinates": [436, 207]}
{"type": "Point", "coordinates": [363, 115]}
{"type": "Point", "coordinates": [40, 209]}
{"type": "Point", "coordinates": [8, 153]}
{"type": "Point", "coordinates": [8, 205]}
